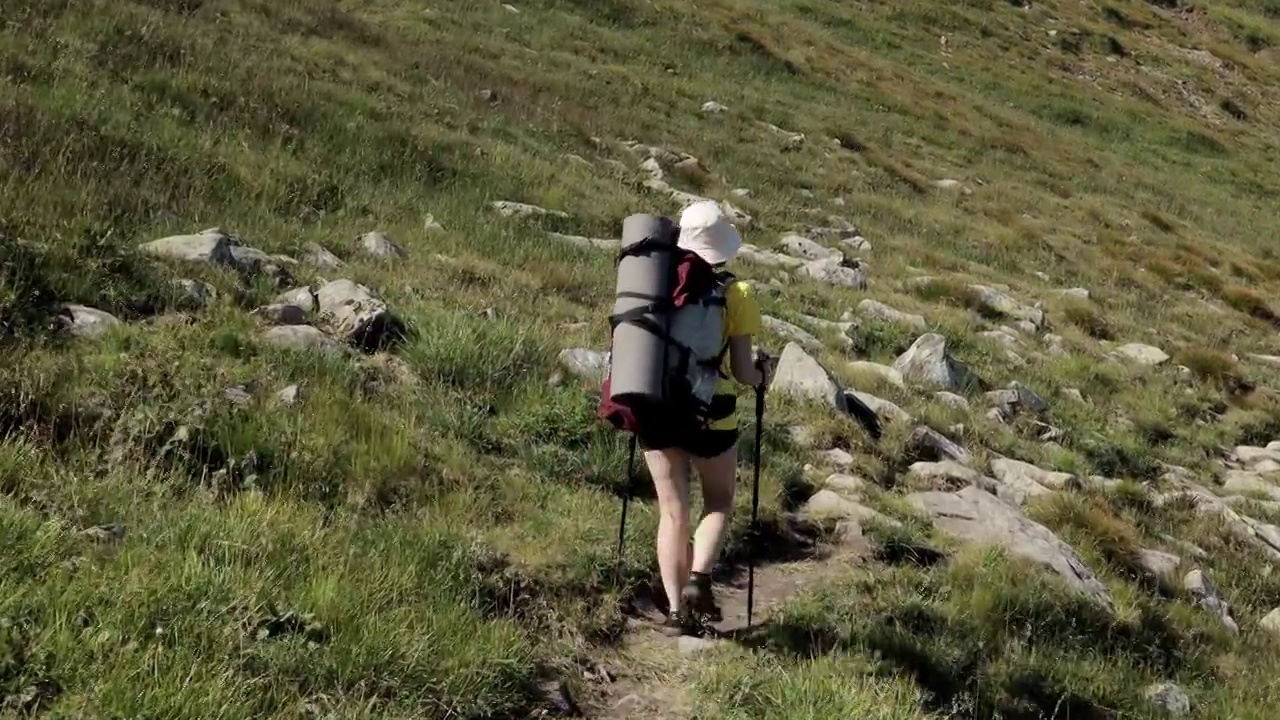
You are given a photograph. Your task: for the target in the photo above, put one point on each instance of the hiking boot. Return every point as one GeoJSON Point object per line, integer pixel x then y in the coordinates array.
{"type": "Point", "coordinates": [697, 596]}
{"type": "Point", "coordinates": [678, 623]}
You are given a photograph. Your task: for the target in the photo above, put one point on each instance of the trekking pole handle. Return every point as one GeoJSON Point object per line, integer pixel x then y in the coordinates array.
{"type": "Point", "coordinates": [762, 364]}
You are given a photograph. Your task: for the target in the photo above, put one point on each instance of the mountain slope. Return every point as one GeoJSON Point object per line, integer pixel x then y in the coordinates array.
{"type": "Point", "coordinates": [201, 523]}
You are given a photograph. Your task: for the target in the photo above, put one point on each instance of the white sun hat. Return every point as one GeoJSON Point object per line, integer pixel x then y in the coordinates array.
{"type": "Point", "coordinates": [705, 230]}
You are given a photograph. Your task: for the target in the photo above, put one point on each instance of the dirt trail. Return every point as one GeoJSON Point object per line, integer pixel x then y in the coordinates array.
{"type": "Point", "coordinates": [646, 674]}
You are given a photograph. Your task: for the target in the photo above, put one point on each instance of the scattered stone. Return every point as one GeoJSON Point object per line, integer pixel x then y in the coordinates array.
{"type": "Point", "coordinates": [802, 247]}
{"type": "Point", "coordinates": [951, 400]}
{"type": "Point", "coordinates": [211, 246]}
{"type": "Point", "coordinates": [1169, 698]}
{"type": "Point", "coordinates": [1073, 394]}
{"type": "Point", "coordinates": [837, 458]}
{"type": "Point", "coordinates": [947, 184]}
{"type": "Point", "coordinates": [1142, 354]}
{"type": "Point", "coordinates": [1011, 471]}
{"type": "Point", "coordinates": [846, 485]}
{"type": "Point", "coordinates": [1271, 622]}
{"type": "Point", "coordinates": [321, 258]}
{"type": "Point", "coordinates": [841, 330]}
{"type": "Point", "coordinates": [1055, 345]}
{"type": "Point", "coordinates": [790, 140]}
{"type": "Point", "coordinates": [587, 364]}
{"type": "Point", "coordinates": [1253, 456]}
{"type": "Point", "coordinates": [856, 244]}
{"type": "Point", "coordinates": [884, 313]}
{"type": "Point", "coordinates": [1015, 484]}
{"type": "Point", "coordinates": [356, 314]}
{"type": "Point", "coordinates": [1272, 360]}
{"type": "Point", "coordinates": [586, 242]}
{"type": "Point", "coordinates": [1077, 293]}
{"type": "Point", "coordinates": [884, 372]}
{"type": "Point", "coordinates": [282, 314]}
{"type": "Point", "coordinates": [978, 516]}
{"type": "Point", "coordinates": [196, 294]}
{"type": "Point", "coordinates": [997, 302]}
{"type": "Point", "coordinates": [302, 298]}
{"type": "Point", "coordinates": [829, 505]}
{"type": "Point", "coordinates": [800, 375]}
{"type": "Point", "coordinates": [1000, 337]}
{"type": "Point", "coordinates": [1008, 403]}
{"type": "Point", "coordinates": [711, 107]}
{"type": "Point", "coordinates": [1157, 563]}
{"type": "Point", "coordinates": [881, 407]}
{"type": "Point", "coordinates": [791, 333]}
{"type": "Point", "coordinates": [751, 253]}
{"type": "Point", "coordinates": [237, 396]}
{"type": "Point", "coordinates": [929, 444]}
{"type": "Point", "coordinates": [86, 322]}
{"type": "Point", "coordinates": [288, 397]}
{"type": "Point", "coordinates": [112, 532]}
{"type": "Point", "coordinates": [741, 193]}
{"type": "Point", "coordinates": [1206, 595]}
{"type": "Point", "coordinates": [836, 271]}
{"type": "Point", "coordinates": [300, 337]}
{"type": "Point", "coordinates": [523, 210]}
{"type": "Point", "coordinates": [1245, 481]}
{"type": "Point", "coordinates": [379, 246]}
{"type": "Point", "coordinates": [927, 362]}
{"type": "Point", "coordinates": [944, 476]}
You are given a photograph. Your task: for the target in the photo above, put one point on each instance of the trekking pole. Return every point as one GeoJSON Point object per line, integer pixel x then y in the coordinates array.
{"type": "Point", "coordinates": [622, 524]}
{"type": "Point", "coordinates": [755, 505]}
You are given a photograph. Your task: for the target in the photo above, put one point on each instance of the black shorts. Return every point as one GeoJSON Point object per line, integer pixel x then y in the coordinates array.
{"type": "Point", "coordinates": [704, 444]}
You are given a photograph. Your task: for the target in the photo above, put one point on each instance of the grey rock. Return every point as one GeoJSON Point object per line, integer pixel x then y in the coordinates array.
{"type": "Point", "coordinates": [751, 253]}
{"type": "Point", "coordinates": [945, 476]}
{"type": "Point", "coordinates": [1008, 470]}
{"type": "Point", "coordinates": [1077, 293]}
{"type": "Point", "coordinates": [951, 399]}
{"type": "Point", "coordinates": [1073, 394]}
{"type": "Point", "coordinates": [1014, 400]}
{"type": "Point", "coordinates": [845, 485]}
{"type": "Point", "coordinates": [1142, 354]}
{"type": "Point", "coordinates": [1246, 481]}
{"type": "Point", "coordinates": [1158, 563]}
{"type": "Point", "coordinates": [837, 458]}
{"type": "Point", "coordinates": [856, 244]}
{"type": "Point", "coordinates": [929, 444]}
{"type": "Point", "coordinates": [586, 364]}
{"type": "Point", "coordinates": [802, 247]}
{"type": "Point", "coordinates": [301, 298]}
{"type": "Point", "coordinates": [879, 311]}
{"type": "Point", "coordinates": [884, 372]}
{"type": "Point", "coordinates": [1001, 337]}
{"type": "Point", "coordinates": [524, 210]}
{"type": "Point", "coordinates": [791, 333]}
{"type": "Point", "coordinates": [836, 271]}
{"type": "Point", "coordinates": [1252, 456]}
{"type": "Point", "coordinates": [1169, 698]}
{"type": "Point", "coordinates": [378, 245]}
{"type": "Point", "coordinates": [288, 397]}
{"type": "Point", "coordinates": [928, 362]}
{"type": "Point", "coordinates": [588, 243]}
{"type": "Point", "coordinates": [196, 294]}
{"type": "Point", "coordinates": [1271, 622]}
{"type": "Point", "coordinates": [211, 246]}
{"type": "Point", "coordinates": [997, 302]}
{"type": "Point", "coordinates": [800, 375]}
{"type": "Point", "coordinates": [1206, 595]}
{"type": "Point", "coordinates": [1264, 536]}
{"type": "Point", "coordinates": [841, 330]}
{"type": "Point", "coordinates": [300, 337]}
{"type": "Point", "coordinates": [86, 322]}
{"type": "Point", "coordinates": [830, 505]}
{"type": "Point", "coordinates": [711, 107]}
{"type": "Point", "coordinates": [975, 515]}
{"type": "Point", "coordinates": [237, 396]}
{"type": "Point", "coordinates": [356, 314]}
{"type": "Point", "coordinates": [282, 314]}
{"type": "Point", "coordinates": [881, 407]}
{"type": "Point", "coordinates": [319, 257]}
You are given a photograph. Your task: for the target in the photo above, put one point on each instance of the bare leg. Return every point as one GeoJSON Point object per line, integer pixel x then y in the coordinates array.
{"type": "Point", "coordinates": [718, 476]}
{"type": "Point", "coordinates": [670, 472]}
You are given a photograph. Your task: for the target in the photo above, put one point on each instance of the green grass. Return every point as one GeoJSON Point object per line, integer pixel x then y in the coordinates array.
{"type": "Point", "coordinates": [440, 516]}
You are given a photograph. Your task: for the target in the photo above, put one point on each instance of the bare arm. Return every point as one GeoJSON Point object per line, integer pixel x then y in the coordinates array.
{"type": "Point", "coordinates": [742, 363]}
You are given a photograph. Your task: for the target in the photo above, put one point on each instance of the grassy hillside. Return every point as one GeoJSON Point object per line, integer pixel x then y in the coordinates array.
{"type": "Point", "coordinates": [426, 528]}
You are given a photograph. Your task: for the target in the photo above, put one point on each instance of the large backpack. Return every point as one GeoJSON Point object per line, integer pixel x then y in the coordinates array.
{"type": "Point", "coordinates": [690, 324]}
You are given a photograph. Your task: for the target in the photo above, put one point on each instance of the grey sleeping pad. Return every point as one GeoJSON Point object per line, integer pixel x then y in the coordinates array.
{"type": "Point", "coordinates": [638, 354]}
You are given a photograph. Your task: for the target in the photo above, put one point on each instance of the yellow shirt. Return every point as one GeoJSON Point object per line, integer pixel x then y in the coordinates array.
{"type": "Point", "coordinates": [741, 317]}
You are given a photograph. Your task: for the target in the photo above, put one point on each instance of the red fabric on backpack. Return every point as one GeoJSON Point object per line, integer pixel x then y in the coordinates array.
{"type": "Point", "coordinates": [694, 276]}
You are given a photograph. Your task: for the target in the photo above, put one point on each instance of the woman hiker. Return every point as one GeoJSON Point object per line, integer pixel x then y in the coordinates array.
{"type": "Point", "coordinates": [686, 567]}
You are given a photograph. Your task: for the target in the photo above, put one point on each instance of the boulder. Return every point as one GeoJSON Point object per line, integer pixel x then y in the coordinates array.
{"type": "Point", "coordinates": [836, 271]}
{"type": "Point", "coordinates": [355, 314]}
{"type": "Point", "coordinates": [884, 372]}
{"type": "Point", "coordinates": [318, 256]}
{"type": "Point", "coordinates": [798, 374]}
{"type": "Point", "coordinates": [945, 476]}
{"type": "Point", "coordinates": [377, 245]}
{"type": "Point", "coordinates": [879, 311]}
{"type": "Point", "coordinates": [211, 246]}
{"type": "Point", "coordinates": [1142, 354]}
{"type": "Point", "coordinates": [1011, 471]}
{"type": "Point", "coordinates": [802, 247]}
{"type": "Point", "coordinates": [791, 333]}
{"type": "Point", "coordinates": [881, 407]}
{"type": "Point", "coordinates": [300, 337]}
{"type": "Point", "coordinates": [995, 302]}
{"type": "Point", "coordinates": [1206, 595]}
{"type": "Point", "coordinates": [951, 400]}
{"type": "Point", "coordinates": [587, 364]}
{"type": "Point", "coordinates": [86, 322]}
{"type": "Point", "coordinates": [928, 444]}
{"type": "Point", "coordinates": [928, 362]}
{"type": "Point", "coordinates": [975, 515]}
{"type": "Point", "coordinates": [1169, 698]}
